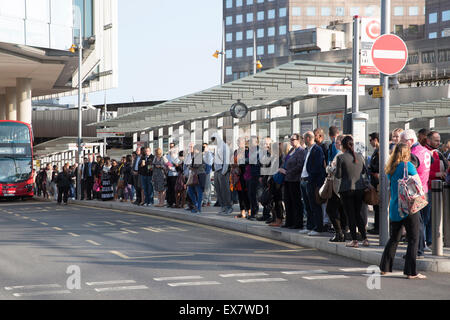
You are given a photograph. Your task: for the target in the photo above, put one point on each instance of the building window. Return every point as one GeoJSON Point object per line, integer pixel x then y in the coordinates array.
{"type": "Point", "coordinates": [310, 26]}
{"type": "Point", "coordinates": [413, 58]}
{"type": "Point", "coordinates": [432, 17]}
{"type": "Point", "coordinates": [271, 14]}
{"type": "Point", "coordinates": [282, 30]}
{"type": "Point", "coordinates": [413, 28]}
{"type": "Point", "coordinates": [354, 11]}
{"type": "Point", "coordinates": [229, 4]}
{"type": "Point", "coordinates": [444, 55]}
{"type": "Point", "coordinates": [229, 20]}
{"type": "Point", "coordinates": [428, 57]}
{"type": "Point", "coordinates": [249, 17]}
{"type": "Point", "coordinates": [271, 31]}
{"type": "Point", "coordinates": [398, 11]}
{"type": "Point", "coordinates": [260, 1]}
{"type": "Point", "coordinates": [249, 2]}
{"type": "Point", "coordinates": [238, 18]}
{"type": "Point", "coordinates": [260, 33]}
{"type": "Point", "coordinates": [249, 34]}
{"type": "Point", "coordinates": [432, 35]}
{"type": "Point", "coordinates": [413, 11]}
{"type": "Point", "coordinates": [250, 52]}
{"type": "Point", "coordinates": [238, 3]}
{"type": "Point", "coordinates": [446, 15]}
{"type": "Point", "coordinates": [325, 11]}
{"type": "Point", "coordinates": [271, 49]}
{"type": "Point", "coordinates": [229, 70]}
{"type": "Point", "coordinates": [282, 12]}
{"type": "Point", "coordinates": [229, 37]}
{"type": "Point", "coordinates": [239, 36]}
{"type": "Point", "coordinates": [296, 27]}
{"type": "Point", "coordinates": [310, 11]}
{"type": "Point", "coordinates": [239, 53]}
{"type": "Point", "coordinates": [340, 11]}
{"type": "Point", "coordinates": [229, 54]}
{"type": "Point", "coordinates": [260, 15]}
{"type": "Point", "coordinates": [296, 11]}
{"type": "Point", "coordinates": [260, 50]}
{"type": "Point", "coordinates": [243, 74]}
{"type": "Point", "coordinates": [398, 29]}
{"type": "Point", "coordinates": [371, 11]}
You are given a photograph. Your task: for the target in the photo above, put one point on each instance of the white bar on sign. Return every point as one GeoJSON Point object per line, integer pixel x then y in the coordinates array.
{"type": "Point", "coordinates": [389, 54]}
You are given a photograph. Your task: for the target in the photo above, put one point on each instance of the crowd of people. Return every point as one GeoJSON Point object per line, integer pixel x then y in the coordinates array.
{"type": "Point", "coordinates": [286, 179]}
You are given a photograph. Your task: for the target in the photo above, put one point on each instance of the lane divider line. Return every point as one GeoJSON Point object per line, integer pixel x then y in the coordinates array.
{"type": "Point", "coordinates": [262, 280]}
{"type": "Point", "coordinates": [121, 288]}
{"type": "Point", "coordinates": [200, 283]}
{"type": "Point", "coordinates": [101, 283]}
{"type": "Point", "coordinates": [93, 242]}
{"type": "Point", "coordinates": [255, 274]}
{"type": "Point", "coordinates": [178, 278]}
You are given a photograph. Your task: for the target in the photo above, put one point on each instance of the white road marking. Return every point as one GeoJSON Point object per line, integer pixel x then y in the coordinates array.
{"type": "Point", "coordinates": [304, 272]}
{"type": "Point", "coordinates": [256, 274]}
{"type": "Point", "coordinates": [130, 231]}
{"type": "Point", "coordinates": [392, 274]}
{"type": "Point", "coordinates": [44, 223]}
{"type": "Point", "coordinates": [53, 285]}
{"type": "Point", "coordinates": [93, 242]}
{"type": "Point", "coordinates": [73, 234]}
{"type": "Point", "coordinates": [178, 278]}
{"type": "Point", "coordinates": [109, 223]}
{"type": "Point", "coordinates": [123, 222]}
{"type": "Point", "coordinates": [262, 280]}
{"type": "Point", "coordinates": [41, 293]}
{"type": "Point", "coordinates": [152, 229]}
{"type": "Point", "coordinates": [117, 253]}
{"type": "Point", "coordinates": [326, 277]}
{"type": "Point", "coordinates": [56, 228]}
{"type": "Point", "coordinates": [353, 269]}
{"type": "Point", "coordinates": [34, 220]}
{"type": "Point", "coordinates": [200, 283]}
{"type": "Point", "coordinates": [121, 288]}
{"type": "Point", "coordinates": [101, 283]}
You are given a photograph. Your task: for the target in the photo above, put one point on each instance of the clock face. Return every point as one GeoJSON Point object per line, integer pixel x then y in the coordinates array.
{"type": "Point", "coordinates": [239, 110]}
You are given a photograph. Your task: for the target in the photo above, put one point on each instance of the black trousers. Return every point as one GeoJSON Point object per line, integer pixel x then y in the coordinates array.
{"type": "Point", "coordinates": [411, 224]}
{"type": "Point", "coordinates": [170, 195]}
{"type": "Point", "coordinates": [252, 188]}
{"type": "Point", "coordinates": [88, 185]}
{"type": "Point", "coordinates": [335, 212]}
{"type": "Point", "coordinates": [293, 203]}
{"type": "Point", "coordinates": [352, 202]}
{"type": "Point", "coordinates": [137, 186]}
{"type": "Point", "coordinates": [63, 194]}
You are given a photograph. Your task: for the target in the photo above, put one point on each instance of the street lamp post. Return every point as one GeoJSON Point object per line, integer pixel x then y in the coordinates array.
{"type": "Point", "coordinates": [80, 115]}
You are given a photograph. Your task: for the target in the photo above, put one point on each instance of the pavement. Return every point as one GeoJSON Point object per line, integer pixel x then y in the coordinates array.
{"type": "Point", "coordinates": [209, 216]}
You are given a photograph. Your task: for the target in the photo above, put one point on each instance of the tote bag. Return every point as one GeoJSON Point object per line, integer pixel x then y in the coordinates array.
{"type": "Point", "coordinates": [411, 197]}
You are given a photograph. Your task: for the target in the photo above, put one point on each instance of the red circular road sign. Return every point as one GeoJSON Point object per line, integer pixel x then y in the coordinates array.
{"type": "Point", "coordinates": [373, 29]}
{"type": "Point", "coordinates": [389, 54]}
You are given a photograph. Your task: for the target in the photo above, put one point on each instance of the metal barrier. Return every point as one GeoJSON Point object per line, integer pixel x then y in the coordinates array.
{"type": "Point", "coordinates": [446, 196]}
{"type": "Point", "coordinates": [437, 213]}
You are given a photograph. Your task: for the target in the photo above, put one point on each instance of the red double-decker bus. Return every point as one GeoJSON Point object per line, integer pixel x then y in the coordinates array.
{"type": "Point", "coordinates": [16, 159]}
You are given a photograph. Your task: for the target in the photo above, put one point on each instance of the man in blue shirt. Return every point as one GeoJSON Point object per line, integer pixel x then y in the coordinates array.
{"type": "Point", "coordinates": [333, 132]}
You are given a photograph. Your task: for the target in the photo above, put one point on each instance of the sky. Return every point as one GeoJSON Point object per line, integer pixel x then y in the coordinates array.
{"type": "Point", "coordinates": [165, 50]}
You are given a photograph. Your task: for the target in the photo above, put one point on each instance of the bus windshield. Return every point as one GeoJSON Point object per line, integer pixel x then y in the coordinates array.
{"type": "Point", "coordinates": [11, 132]}
{"type": "Point", "coordinates": [13, 170]}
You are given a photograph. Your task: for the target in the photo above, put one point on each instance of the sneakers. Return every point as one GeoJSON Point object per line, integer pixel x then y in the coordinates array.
{"type": "Point", "coordinates": [304, 231]}
{"type": "Point", "coordinates": [427, 249]}
{"type": "Point", "coordinates": [314, 233]}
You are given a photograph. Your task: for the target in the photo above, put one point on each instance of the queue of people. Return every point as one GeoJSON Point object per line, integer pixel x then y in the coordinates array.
{"type": "Point", "coordinates": [309, 184]}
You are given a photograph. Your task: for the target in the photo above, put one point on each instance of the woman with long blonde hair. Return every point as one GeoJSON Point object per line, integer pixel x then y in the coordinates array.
{"type": "Point", "coordinates": [395, 170]}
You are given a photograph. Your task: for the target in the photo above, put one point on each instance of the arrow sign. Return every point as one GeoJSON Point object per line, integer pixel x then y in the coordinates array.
{"type": "Point", "coordinates": [389, 54]}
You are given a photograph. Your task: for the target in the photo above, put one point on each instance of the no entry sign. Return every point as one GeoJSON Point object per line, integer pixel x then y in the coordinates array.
{"type": "Point", "coordinates": [389, 54]}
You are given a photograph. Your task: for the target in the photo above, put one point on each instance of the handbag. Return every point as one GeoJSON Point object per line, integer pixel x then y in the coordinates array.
{"type": "Point", "coordinates": [371, 196]}
{"type": "Point", "coordinates": [326, 191]}
{"type": "Point", "coordinates": [96, 187]}
{"type": "Point", "coordinates": [266, 197]}
{"type": "Point", "coordinates": [411, 197]}
{"type": "Point", "coordinates": [192, 179]}
{"type": "Point", "coordinates": [179, 184]}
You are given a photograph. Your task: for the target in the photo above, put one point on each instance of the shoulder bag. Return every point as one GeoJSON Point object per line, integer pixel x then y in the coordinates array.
{"type": "Point", "coordinates": [411, 197]}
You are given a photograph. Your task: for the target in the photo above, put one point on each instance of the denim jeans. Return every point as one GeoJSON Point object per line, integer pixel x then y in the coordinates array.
{"type": "Point", "coordinates": [196, 195]}
{"type": "Point", "coordinates": [148, 189]}
{"type": "Point", "coordinates": [309, 214]}
{"type": "Point", "coordinates": [426, 217]}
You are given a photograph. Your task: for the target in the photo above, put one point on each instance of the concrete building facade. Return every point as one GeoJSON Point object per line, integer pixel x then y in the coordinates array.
{"type": "Point", "coordinates": [437, 19]}
{"type": "Point", "coordinates": [35, 61]}
{"type": "Point", "coordinates": [272, 21]}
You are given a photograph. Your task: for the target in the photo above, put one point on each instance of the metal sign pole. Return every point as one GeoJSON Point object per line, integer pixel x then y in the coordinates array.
{"type": "Point", "coordinates": [384, 133]}
{"type": "Point", "coordinates": [80, 114]}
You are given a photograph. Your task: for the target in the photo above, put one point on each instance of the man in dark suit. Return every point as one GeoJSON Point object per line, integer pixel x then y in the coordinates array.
{"type": "Point", "coordinates": [312, 178]}
{"type": "Point", "coordinates": [88, 174]}
{"type": "Point", "coordinates": [136, 177]}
